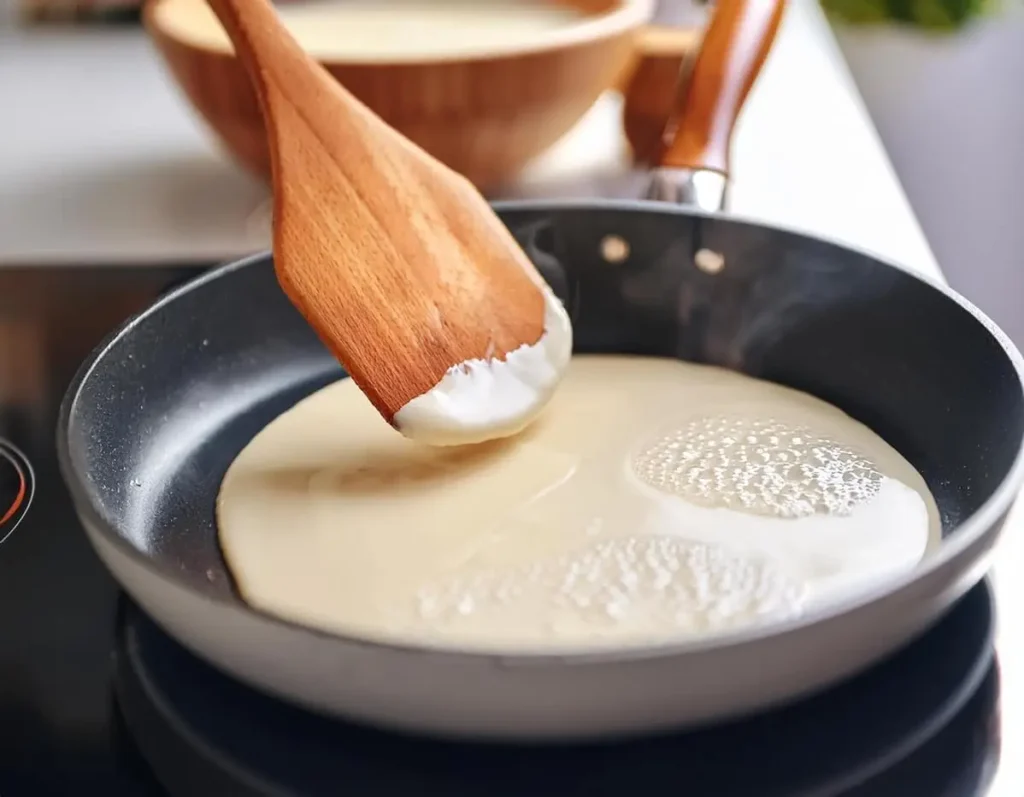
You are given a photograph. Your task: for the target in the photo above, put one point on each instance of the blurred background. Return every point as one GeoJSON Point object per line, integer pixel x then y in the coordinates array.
{"type": "Point", "coordinates": [940, 81]}
{"type": "Point", "coordinates": [122, 143]}
{"type": "Point", "coordinates": [96, 108]}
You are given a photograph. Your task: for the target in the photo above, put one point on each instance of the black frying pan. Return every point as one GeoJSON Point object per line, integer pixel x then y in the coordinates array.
{"type": "Point", "coordinates": [159, 411]}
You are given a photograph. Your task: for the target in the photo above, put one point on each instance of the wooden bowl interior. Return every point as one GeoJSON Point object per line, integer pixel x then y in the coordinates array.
{"type": "Point", "coordinates": [193, 23]}
{"type": "Point", "coordinates": [486, 116]}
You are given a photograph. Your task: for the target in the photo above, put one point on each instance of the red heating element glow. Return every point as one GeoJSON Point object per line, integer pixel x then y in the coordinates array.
{"type": "Point", "coordinates": [16, 488]}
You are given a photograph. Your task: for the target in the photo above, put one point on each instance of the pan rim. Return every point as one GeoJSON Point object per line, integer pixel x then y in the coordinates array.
{"type": "Point", "coordinates": [966, 534]}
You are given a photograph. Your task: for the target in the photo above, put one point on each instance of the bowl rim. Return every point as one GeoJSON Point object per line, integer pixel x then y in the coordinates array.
{"type": "Point", "coordinates": [624, 16]}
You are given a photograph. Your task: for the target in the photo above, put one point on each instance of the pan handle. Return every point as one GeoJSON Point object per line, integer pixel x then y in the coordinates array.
{"type": "Point", "coordinates": [683, 100]}
{"type": "Point", "coordinates": [737, 42]}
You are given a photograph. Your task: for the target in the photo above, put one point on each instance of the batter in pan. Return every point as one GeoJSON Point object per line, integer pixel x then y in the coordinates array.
{"type": "Point", "coordinates": [654, 500]}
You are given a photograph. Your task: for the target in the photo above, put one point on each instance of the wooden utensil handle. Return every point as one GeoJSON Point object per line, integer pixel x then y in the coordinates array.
{"type": "Point", "coordinates": [253, 24]}
{"type": "Point", "coordinates": [739, 36]}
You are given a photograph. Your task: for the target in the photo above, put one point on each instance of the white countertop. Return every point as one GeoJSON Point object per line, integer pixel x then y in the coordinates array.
{"type": "Point", "coordinates": [104, 162]}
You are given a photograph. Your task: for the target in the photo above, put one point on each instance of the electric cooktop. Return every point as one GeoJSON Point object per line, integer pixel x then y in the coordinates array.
{"type": "Point", "coordinates": [94, 698]}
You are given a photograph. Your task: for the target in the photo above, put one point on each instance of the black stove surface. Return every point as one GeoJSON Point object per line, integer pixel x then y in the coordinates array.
{"type": "Point", "coordinates": [96, 700]}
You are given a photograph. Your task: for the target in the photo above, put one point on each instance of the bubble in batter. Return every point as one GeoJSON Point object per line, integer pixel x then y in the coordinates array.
{"type": "Point", "coordinates": [631, 587]}
{"type": "Point", "coordinates": [766, 467]}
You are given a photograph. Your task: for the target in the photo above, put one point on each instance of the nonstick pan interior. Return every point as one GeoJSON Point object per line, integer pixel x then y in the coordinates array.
{"type": "Point", "coordinates": [156, 416]}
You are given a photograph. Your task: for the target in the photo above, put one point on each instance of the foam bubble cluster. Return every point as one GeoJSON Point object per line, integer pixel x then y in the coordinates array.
{"type": "Point", "coordinates": [766, 467]}
{"type": "Point", "coordinates": [637, 587]}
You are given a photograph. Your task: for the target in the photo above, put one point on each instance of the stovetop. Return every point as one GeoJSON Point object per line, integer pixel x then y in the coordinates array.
{"type": "Point", "coordinates": [95, 698]}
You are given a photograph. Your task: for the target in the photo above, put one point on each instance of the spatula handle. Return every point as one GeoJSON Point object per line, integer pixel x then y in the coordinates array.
{"type": "Point", "coordinates": [259, 38]}
{"type": "Point", "coordinates": [737, 42]}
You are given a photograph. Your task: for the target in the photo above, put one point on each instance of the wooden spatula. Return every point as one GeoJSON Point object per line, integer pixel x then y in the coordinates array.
{"type": "Point", "coordinates": [397, 262]}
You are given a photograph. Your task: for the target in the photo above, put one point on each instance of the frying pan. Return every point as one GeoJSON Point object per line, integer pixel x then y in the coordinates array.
{"type": "Point", "coordinates": [158, 412]}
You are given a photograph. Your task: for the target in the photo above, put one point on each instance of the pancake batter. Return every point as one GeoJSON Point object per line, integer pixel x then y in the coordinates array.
{"type": "Point", "coordinates": [653, 500]}
{"type": "Point", "coordinates": [390, 30]}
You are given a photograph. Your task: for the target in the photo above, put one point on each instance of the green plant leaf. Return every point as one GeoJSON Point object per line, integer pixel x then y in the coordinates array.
{"type": "Point", "coordinates": [857, 11]}
{"type": "Point", "coordinates": [934, 15]}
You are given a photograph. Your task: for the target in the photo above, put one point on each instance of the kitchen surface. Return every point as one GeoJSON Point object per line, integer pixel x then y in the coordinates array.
{"type": "Point", "coordinates": [112, 192]}
{"type": "Point", "coordinates": [142, 180]}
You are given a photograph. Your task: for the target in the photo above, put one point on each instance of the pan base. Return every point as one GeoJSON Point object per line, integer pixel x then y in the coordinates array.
{"type": "Point", "coordinates": [203, 733]}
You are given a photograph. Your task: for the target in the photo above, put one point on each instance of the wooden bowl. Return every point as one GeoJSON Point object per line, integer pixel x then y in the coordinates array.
{"type": "Point", "coordinates": [653, 85]}
{"type": "Point", "coordinates": [486, 115]}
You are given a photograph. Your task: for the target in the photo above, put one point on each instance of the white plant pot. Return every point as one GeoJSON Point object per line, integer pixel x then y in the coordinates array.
{"type": "Point", "coordinates": [950, 110]}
